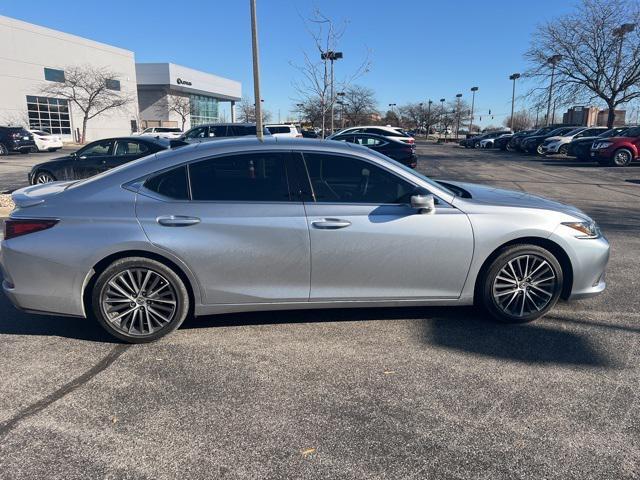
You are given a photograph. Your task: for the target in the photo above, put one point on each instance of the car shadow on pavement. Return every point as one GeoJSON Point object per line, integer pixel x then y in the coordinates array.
{"type": "Point", "coordinates": [464, 329]}
{"type": "Point", "coordinates": [16, 322]}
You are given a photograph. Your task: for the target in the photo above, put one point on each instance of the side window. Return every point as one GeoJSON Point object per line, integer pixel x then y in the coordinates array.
{"type": "Point", "coordinates": [172, 184]}
{"type": "Point", "coordinates": [345, 138]}
{"type": "Point", "coordinates": [218, 131]}
{"type": "Point", "coordinates": [368, 141]}
{"type": "Point", "coordinates": [130, 148]}
{"type": "Point", "coordinates": [197, 133]}
{"type": "Point", "coordinates": [339, 179]}
{"type": "Point", "coordinates": [257, 177]}
{"type": "Point", "coordinates": [96, 149]}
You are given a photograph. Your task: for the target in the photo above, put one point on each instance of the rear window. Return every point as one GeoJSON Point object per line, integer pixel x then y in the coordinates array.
{"type": "Point", "coordinates": [168, 130]}
{"type": "Point", "coordinates": [273, 129]}
{"type": "Point", "coordinates": [632, 132]}
{"type": "Point", "coordinates": [171, 184]}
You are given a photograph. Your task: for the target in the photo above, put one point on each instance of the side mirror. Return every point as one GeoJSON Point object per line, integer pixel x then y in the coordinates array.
{"type": "Point", "coordinates": [425, 204]}
{"type": "Point", "coordinates": [83, 157]}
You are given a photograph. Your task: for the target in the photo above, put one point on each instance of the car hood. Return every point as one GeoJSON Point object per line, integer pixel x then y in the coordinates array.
{"type": "Point", "coordinates": [488, 195]}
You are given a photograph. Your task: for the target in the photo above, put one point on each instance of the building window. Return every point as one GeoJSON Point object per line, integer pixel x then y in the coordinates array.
{"type": "Point", "coordinates": [50, 114]}
{"type": "Point", "coordinates": [113, 84]}
{"type": "Point", "coordinates": [53, 75]}
{"type": "Point", "coordinates": [203, 109]}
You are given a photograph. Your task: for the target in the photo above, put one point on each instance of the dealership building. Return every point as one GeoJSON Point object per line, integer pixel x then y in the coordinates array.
{"type": "Point", "coordinates": [32, 56]}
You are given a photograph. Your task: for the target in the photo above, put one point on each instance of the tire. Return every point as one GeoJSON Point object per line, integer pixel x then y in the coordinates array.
{"type": "Point", "coordinates": [563, 150]}
{"type": "Point", "coordinates": [476, 145]}
{"type": "Point", "coordinates": [529, 300]}
{"type": "Point", "coordinates": [539, 150]}
{"type": "Point", "coordinates": [621, 157]}
{"type": "Point", "coordinates": [3, 150]}
{"type": "Point", "coordinates": [136, 317]}
{"type": "Point", "coordinates": [43, 177]}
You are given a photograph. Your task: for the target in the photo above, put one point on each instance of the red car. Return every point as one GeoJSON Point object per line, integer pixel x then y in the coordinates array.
{"type": "Point", "coordinates": [617, 151]}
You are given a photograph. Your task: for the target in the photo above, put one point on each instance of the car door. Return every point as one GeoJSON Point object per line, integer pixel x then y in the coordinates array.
{"type": "Point", "coordinates": [91, 160]}
{"type": "Point", "coordinates": [126, 150]}
{"type": "Point", "coordinates": [368, 243]}
{"type": "Point", "coordinates": [196, 134]}
{"type": "Point", "coordinates": [240, 229]}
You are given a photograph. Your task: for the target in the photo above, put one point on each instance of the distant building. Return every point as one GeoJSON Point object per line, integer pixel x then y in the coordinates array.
{"type": "Point", "coordinates": [583, 116]}
{"type": "Point", "coordinates": [618, 121]}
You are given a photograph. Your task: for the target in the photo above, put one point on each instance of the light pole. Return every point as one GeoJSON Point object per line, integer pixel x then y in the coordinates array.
{"type": "Point", "coordinates": [442, 115]}
{"type": "Point", "coordinates": [428, 118]}
{"type": "Point", "coordinates": [513, 77]}
{"type": "Point", "coordinates": [619, 32]}
{"type": "Point", "coordinates": [300, 105]}
{"type": "Point", "coordinates": [341, 103]}
{"type": "Point", "coordinates": [332, 57]}
{"type": "Point", "coordinates": [256, 68]}
{"type": "Point", "coordinates": [458, 97]}
{"type": "Point", "coordinates": [473, 101]}
{"type": "Point", "coordinates": [421, 116]}
{"type": "Point", "coordinates": [553, 61]}
{"type": "Point", "coordinates": [391, 105]}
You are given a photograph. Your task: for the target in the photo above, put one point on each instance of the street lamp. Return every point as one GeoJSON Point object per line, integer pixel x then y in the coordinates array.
{"type": "Point", "coordinates": [553, 61]}
{"type": "Point", "coordinates": [473, 101]}
{"type": "Point", "coordinates": [300, 105]}
{"type": "Point", "coordinates": [331, 56]}
{"type": "Point", "coordinates": [458, 97]}
{"type": "Point", "coordinates": [428, 117]}
{"type": "Point", "coordinates": [619, 32]}
{"type": "Point", "coordinates": [513, 77]}
{"type": "Point", "coordinates": [391, 105]}
{"type": "Point", "coordinates": [256, 67]}
{"type": "Point", "coordinates": [442, 114]}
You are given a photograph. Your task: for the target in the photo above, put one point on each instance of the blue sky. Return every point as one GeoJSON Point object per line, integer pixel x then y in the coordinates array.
{"type": "Point", "coordinates": [419, 49]}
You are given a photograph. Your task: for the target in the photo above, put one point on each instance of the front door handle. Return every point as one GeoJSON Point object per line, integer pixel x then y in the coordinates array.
{"type": "Point", "coordinates": [177, 221]}
{"type": "Point", "coordinates": [330, 223]}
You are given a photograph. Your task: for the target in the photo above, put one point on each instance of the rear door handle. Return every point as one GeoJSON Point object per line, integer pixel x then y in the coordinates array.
{"type": "Point", "coordinates": [177, 221]}
{"type": "Point", "coordinates": [330, 223]}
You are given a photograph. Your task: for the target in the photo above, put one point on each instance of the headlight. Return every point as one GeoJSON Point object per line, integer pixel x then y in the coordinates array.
{"type": "Point", "coordinates": [601, 145]}
{"type": "Point", "coordinates": [585, 229]}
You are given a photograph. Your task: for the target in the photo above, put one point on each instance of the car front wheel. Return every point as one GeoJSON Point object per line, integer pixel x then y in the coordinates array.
{"type": "Point", "coordinates": [139, 300]}
{"type": "Point", "coordinates": [522, 284]}
{"type": "Point", "coordinates": [43, 177]}
{"type": "Point", "coordinates": [621, 158]}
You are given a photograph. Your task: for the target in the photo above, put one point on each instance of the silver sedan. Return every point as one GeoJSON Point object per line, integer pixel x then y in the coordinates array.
{"type": "Point", "coordinates": [242, 225]}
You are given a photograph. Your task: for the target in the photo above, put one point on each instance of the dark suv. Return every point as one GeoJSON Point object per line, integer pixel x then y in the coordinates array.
{"type": "Point", "coordinates": [220, 130]}
{"type": "Point", "coordinates": [15, 139]}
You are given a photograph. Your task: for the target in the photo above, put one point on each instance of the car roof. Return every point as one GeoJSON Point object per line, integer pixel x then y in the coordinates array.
{"type": "Point", "coordinates": [139, 138]}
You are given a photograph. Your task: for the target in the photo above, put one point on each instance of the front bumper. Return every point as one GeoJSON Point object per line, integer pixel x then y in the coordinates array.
{"type": "Point", "coordinates": [589, 258]}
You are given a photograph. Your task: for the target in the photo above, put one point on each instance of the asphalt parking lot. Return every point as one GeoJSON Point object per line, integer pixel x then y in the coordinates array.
{"type": "Point", "coordinates": [374, 393]}
{"type": "Point", "coordinates": [14, 168]}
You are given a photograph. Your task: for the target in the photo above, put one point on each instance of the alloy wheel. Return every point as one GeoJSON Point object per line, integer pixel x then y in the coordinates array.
{"type": "Point", "coordinates": [3, 150]}
{"type": "Point", "coordinates": [622, 158]}
{"type": "Point", "coordinates": [44, 177]}
{"type": "Point", "coordinates": [525, 285]}
{"type": "Point", "coordinates": [139, 301]}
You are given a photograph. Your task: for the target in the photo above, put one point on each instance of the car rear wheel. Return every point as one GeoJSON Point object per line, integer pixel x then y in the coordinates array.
{"type": "Point", "coordinates": [539, 150]}
{"type": "Point", "coordinates": [43, 177]}
{"type": "Point", "coordinates": [563, 150]}
{"type": "Point", "coordinates": [522, 284]}
{"type": "Point", "coordinates": [477, 145]}
{"type": "Point", "coordinates": [139, 300]}
{"type": "Point", "coordinates": [3, 150]}
{"type": "Point", "coordinates": [621, 158]}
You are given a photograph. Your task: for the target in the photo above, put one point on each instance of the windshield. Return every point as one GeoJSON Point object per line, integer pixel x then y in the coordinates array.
{"type": "Point", "coordinates": [614, 132]}
{"type": "Point", "coordinates": [573, 132]}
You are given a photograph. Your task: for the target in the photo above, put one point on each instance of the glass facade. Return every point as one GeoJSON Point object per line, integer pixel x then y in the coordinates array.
{"type": "Point", "coordinates": [203, 109]}
{"type": "Point", "coordinates": [50, 114]}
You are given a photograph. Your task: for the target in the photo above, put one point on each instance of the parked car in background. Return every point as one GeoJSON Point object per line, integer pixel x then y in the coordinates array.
{"type": "Point", "coordinates": [162, 132]}
{"type": "Point", "coordinates": [475, 142]}
{"type": "Point", "coordinates": [46, 142]}
{"type": "Point", "coordinates": [244, 225]}
{"type": "Point", "coordinates": [388, 132]}
{"type": "Point", "coordinates": [15, 139]}
{"type": "Point", "coordinates": [468, 141]}
{"type": "Point", "coordinates": [504, 141]}
{"type": "Point", "coordinates": [309, 133]}
{"type": "Point", "coordinates": [518, 141]}
{"type": "Point", "coordinates": [581, 147]}
{"type": "Point", "coordinates": [490, 142]}
{"type": "Point", "coordinates": [283, 131]}
{"type": "Point", "coordinates": [395, 149]}
{"type": "Point", "coordinates": [617, 151]}
{"type": "Point", "coordinates": [98, 157]}
{"type": "Point", "coordinates": [560, 143]}
{"type": "Point", "coordinates": [220, 130]}
{"type": "Point", "coordinates": [533, 144]}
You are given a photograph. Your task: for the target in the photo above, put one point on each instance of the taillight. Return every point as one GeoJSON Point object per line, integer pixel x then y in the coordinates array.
{"type": "Point", "coordinates": [411, 141]}
{"type": "Point", "coordinates": [14, 228]}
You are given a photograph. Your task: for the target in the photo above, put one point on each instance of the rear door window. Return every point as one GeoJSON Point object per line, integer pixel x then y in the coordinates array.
{"type": "Point", "coordinates": [250, 177]}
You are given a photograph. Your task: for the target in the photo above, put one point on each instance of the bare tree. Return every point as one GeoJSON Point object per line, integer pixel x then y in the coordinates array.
{"type": "Point", "coordinates": [359, 104]}
{"type": "Point", "coordinates": [593, 53]}
{"type": "Point", "coordinates": [315, 85]}
{"type": "Point", "coordinates": [181, 106]}
{"type": "Point", "coordinates": [246, 109]}
{"type": "Point", "coordinates": [522, 120]}
{"type": "Point", "coordinates": [94, 90]}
